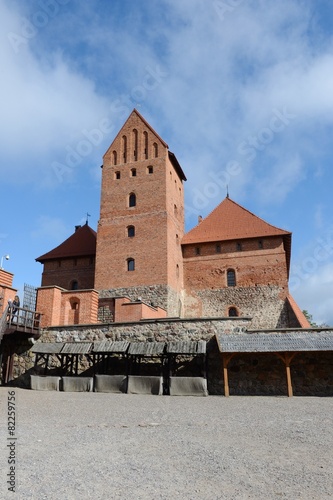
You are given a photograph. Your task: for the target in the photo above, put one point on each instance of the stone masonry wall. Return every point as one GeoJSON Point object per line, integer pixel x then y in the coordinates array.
{"type": "Point", "coordinates": [263, 303]}
{"type": "Point", "coordinates": [159, 295]}
{"type": "Point", "coordinates": [249, 374]}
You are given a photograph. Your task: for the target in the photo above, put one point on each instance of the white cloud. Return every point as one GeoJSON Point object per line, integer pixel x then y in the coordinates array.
{"type": "Point", "coordinates": [45, 106]}
{"type": "Point", "coordinates": [50, 228]}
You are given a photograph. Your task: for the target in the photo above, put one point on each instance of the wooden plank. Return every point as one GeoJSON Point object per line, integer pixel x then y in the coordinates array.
{"type": "Point", "coordinates": [47, 347]}
{"type": "Point", "coordinates": [119, 347]}
{"type": "Point", "coordinates": [146, 348]}
{"type": "Point", "coordinates": [76, 348]}
{"type": "Point", "coordinates": [186, 347]}
{"type": "Point", "coordinates": [276, 342]}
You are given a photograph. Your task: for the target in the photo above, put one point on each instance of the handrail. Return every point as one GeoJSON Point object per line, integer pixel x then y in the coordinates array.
{"type": "Point", "coordinates": [23, 318]}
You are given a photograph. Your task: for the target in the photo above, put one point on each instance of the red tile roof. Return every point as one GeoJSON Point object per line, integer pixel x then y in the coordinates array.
{"type": "Point", "coordinates": [303, 322]}
{"type": "Point", "coordinates": [81, 243]}
{"type": "Point", "coordinates": [230, 221]}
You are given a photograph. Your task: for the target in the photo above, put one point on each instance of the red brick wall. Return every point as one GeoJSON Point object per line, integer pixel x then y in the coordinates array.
{"type": "Point", "coordinates": [79, 307]}
{"type": "Point", "coordinates": [6, 278]}
{"type": "Point", "coordinates": [125, 310]}
{"type": "Point", "coordinates": [6, 294]}
{"type": "Point", "coordinates": [63, 272]}
{"type": "Point", "coordinates": [253, 265]}
{"type": "Point", "coordinates": [158, 216]}
{"type": "Point", "coordinates": [49, 305]}
{"type": "Point", "coordinates": [61, 307]}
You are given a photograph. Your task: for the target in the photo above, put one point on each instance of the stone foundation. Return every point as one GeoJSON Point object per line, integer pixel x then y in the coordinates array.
{"type": "Point", "coordinates": [249, 374]}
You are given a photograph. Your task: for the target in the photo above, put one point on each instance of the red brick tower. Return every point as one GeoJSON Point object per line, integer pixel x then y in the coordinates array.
{"type": "Point", "coordinates": [141, 219]}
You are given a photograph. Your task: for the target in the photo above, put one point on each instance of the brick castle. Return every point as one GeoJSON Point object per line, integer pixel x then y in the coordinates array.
{"type": "Point", "coordinates": [140, 264]}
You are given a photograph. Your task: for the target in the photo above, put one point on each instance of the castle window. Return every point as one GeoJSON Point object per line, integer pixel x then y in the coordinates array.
{"type": "Point", "coordinates": [117, 175]}
{"type": "Point", "coordinates": [260, 244]}
{"type": "Point", "coordinates": [124, 141]}
{"type": "Point", "coordinates": [130, 264]}
{"type": "Point", "coordinates": [155, 150]}
{"type": "Point", "coordinates": [114, 154]}
{"type": "Point", "coordinates": [218, 248]}
{"type": "Point", "coordinates": [130, 231]}
{"type": "Point", "coordinates": [231, 277]}
{"type": "Point", "coordinates": [133, 172]}
{"type": "Point", "coordinates": [177, 271]}
{"type": "Point", "coordinates": [232, 312]}
{"type": "Point", "coordinates": [132, 200]}
{"type": "Point", "coordinates": [135, 141]}
{"type": "Point", "coordinates": [197, 251]}
{"type": "Point", "coordinates": [150, 170]}
{"type": "Point", "coordinates": [145, 142]}
{"type": "Point", "coordinates": [74, 285]}
{"type": "Point", "coordinates": [75, 306]}
{"type": "Point", "coordinates": [238, 247]}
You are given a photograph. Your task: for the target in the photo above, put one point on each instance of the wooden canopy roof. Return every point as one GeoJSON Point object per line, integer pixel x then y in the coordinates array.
{"type": "Point", "coordinates": [275, 342]}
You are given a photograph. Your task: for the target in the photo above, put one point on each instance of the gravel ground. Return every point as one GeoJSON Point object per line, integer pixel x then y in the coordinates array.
{"type": "Point", "coordinates": [118, 446]}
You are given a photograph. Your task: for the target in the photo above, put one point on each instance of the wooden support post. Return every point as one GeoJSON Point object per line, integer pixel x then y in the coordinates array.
{"type": "Point", "coordinates": [226, 360]}
{"type": "Point", "coordinates": [287, 358]}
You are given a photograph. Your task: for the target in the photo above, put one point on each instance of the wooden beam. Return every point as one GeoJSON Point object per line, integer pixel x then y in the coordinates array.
{"type": "Point", "coordinates": [226, 360]}
{"type": "Point", "coordinates": [287, 358]}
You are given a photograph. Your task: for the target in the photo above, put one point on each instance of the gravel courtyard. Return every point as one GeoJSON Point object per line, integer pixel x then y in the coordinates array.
{"type": "Point", "coordinates": [118, 446]}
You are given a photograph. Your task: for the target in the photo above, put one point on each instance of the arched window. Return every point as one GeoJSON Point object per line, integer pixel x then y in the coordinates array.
{"type": "Point", "coordinates": [74, 285]}
{"type": "Point", "coordinates": [130, 264]}
{"type": "Point", "coordinates": [133, 172]}
{"type": "Point", "coordinates": [130, 231]}
{"type": "Point", "coordinates": [124, 141]}
{"type": "Point", "coordinates": [114, 154]}
{"type": "Point", "coordinates": [135, 144]}
{"type": "Point", "coordinates": [155, 150]}
{"type": "Point", "coordinates": [231, 277]}
{"type": "Point", "coordinates": [132, 200]}
{"type": "Point", "coordinates": [232, 312]}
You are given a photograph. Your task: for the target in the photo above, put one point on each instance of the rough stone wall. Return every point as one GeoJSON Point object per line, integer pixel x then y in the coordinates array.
{"type": "Point", "coordinates": [158, 295]}
{"type": "Point", "coordinates": [249, 374]}
{"type": "Point", "coordinates": [262, 303]}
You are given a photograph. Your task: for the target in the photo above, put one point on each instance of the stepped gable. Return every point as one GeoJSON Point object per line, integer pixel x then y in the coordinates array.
{"type": "Point", "coordinates": [81, 243]}
{"type": "Point", "coordinates": [132, 119]}
{"type": "Point", "coordinates": [231, 221]}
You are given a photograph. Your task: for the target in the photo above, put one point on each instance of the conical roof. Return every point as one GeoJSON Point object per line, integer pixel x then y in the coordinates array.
{"type": "Point", "coordinates": [81, 243]}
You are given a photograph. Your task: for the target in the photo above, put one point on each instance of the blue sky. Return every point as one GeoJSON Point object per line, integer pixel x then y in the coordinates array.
{"type": "Point", "coordinates": [241, 90]}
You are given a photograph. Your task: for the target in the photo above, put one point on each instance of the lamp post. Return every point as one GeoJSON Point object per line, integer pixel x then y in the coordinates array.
{"type": "Point", "coordinates": [3, 257]}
